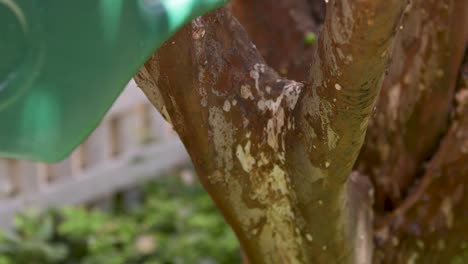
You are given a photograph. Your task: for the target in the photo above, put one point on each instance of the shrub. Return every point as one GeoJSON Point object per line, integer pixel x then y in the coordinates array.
{"type": "Point", "coordinates": [175, 223]}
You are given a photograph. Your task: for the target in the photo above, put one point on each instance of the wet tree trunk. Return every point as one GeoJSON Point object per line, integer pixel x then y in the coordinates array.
{"type": "Point", "coordinates": [274, 125]}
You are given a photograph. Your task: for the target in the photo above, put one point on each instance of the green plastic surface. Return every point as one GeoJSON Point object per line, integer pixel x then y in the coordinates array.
{"type": "Point", "coordinates": [64, 62]}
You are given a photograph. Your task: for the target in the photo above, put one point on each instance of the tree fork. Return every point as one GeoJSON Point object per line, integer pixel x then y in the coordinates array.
{"type": "Point", "coordinates": [274, 154]}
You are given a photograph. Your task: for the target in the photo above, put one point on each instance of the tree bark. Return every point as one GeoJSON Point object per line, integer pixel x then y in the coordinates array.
{"type": "Point", "coordinates": [405, 130]}
{"type": "Point", "coordinates": [281, 41]}
{"type": "Point", "coordinates": [430, 225]}
{"type": "Point", "coordinates": [275, 154]}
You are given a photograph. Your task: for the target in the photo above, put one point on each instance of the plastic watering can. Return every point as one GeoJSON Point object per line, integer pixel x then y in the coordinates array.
{"type": "Point", "coordinates": [64, 62]}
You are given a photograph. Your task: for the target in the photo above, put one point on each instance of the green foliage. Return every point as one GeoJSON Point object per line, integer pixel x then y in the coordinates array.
{"type": "Point", "coordinates": [176, 223]}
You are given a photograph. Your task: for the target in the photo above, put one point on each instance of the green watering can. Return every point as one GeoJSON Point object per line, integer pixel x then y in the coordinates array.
{"type": "Point", "coordinates": [64, 62]}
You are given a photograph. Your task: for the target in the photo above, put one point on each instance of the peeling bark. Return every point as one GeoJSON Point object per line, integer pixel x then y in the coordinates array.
{"type": "Point", "coordinates": [430, 226]}
{"type": "Point", "coordinates": [277, 155]}
{"type": "Point", "coordinates": [334, 109]}
{"type": "Point", "coordinates": [405, 130]}
{"type": "Point", "coordinates": [239, 121]}
{"type": "Point", "coordinates": [233, 114]}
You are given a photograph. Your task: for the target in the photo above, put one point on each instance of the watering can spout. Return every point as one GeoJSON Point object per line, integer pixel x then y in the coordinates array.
{"type": "Point", "coordinates": [64, 62]}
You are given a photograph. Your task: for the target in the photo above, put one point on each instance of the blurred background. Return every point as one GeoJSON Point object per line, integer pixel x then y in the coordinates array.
{"type": "Point", "coordinates": [128, 194]}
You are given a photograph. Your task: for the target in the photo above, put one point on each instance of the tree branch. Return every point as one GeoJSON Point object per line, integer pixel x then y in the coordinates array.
{"type": "Point", "coordinates": [233, 115]}
{"type": "Point", "coordinates": [413, 109]}
{"type": "Point", "coordinates": [434, 217]}
{"type": "Point", "coordinates": [347, 72]}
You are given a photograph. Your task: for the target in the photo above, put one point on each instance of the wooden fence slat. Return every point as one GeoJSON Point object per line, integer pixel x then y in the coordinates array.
{"type": "Point", "coordinates": [129, 128]}
{"type": "Point", "coordinates": [28, 176]}
{"type": "Point", "coordinates": [114, 135]}
{"type": "Point", "coordinates": [98, 148]}
{"type": "Point", "coordinates": [43, 173]}
{"type": "Point", "coordinates": [144, 123]}
{"type": "Point", "coordinates": [77, 160]}
{"type": "Point", "coordinates": [6, 185]}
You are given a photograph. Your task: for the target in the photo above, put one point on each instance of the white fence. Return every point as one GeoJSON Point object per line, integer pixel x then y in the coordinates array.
{"type": "Point", "coordinates": [132, 144]}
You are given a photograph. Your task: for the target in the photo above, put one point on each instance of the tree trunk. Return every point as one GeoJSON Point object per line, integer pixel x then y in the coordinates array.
{"type": "Point", "coordinates": [274, 127]}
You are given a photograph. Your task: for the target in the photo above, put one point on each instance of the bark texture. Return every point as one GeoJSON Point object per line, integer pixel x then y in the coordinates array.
{"type": "Point", "coordinates": [430, 225]}
{"type": "Point", "coordinates": [279, 28]}
{"type": "Point", "coordinates": [428, 51]}
{"type": "Point", "coordinates": [274, 126]}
